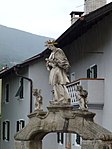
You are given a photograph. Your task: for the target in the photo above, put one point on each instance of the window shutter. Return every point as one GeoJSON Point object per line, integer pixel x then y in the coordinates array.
{"type": "Point", "coordinates": [77, 139]}
{"type": "Point", "coordinates": [92, 72]}
{"type": "Point", "coordinates": [7, 93]}
{"type": "Point", "coordinates": [88, 73]}
{"type": "Point", "coordinates": [20, 90]}
{"type": "Point", "coordinates": [62, 137]}
{"type": "Point", "coordinates": [8, 130]}
{"type": "Point", "coordinates": [3, 130]}
{"type": "Point", "coordinates": [17, 126]}
{"type": "Point", "coordinates": [95, 71]}
{"type": "Point", "coordinates": [58, 137]}
{"type": "Point", "coordinates": [21, 93]}
{"type": "Point", "coordinates": [22, 122]}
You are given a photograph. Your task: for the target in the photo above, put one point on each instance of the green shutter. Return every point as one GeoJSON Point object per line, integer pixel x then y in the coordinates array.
{"type": "Point", "coordinates": [95, 71]}
{"type": "Point", "coordinates": [20, 90]}
{"type": "Point", "coordinates": [7, 93]}
{"type": "Point", "coordinates": [58, 137]}
{"type": "Point", "coordinates": [8, 130]}
{"type": "Point", "coordinates": [62, 137]}
{"type": "Point", "coordinates": [3, 130]}
{"type": "Point", "coordinates": [88, 73]}
{"type": "Point", "coordinates": [17, 126]}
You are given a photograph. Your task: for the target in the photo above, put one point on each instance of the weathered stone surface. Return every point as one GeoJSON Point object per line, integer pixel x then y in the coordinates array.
{"type": "Point", "coordinates": [21, 145]}
{"type": "Point", "coordinates": [92, 144]}
{"type": "Point", "coordinates": [63, 118]}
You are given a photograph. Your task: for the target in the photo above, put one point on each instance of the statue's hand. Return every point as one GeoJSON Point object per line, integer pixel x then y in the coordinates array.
{"type": "Point", "coordinates": [46, 59]}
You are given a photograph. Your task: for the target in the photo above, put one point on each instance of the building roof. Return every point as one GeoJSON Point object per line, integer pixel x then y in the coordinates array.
{"type": "Point", "coordinates": [81, 26]}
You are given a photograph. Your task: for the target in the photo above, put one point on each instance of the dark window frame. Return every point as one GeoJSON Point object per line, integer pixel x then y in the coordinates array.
{"type": "Point", "coordinates": [60, 137]}
{"type": "Point", "coordinates": [92, 72]}
{"type": "Point", "coordinates": [7, 92]}
{"type": "Point", "coordinates": [20, 91]}
{"type": "Point", "coordinates": [78, 139]}
{"type": "Point", "coordinates": [19, 125]}
{"type": "Point", "coordinates": [6, 130]}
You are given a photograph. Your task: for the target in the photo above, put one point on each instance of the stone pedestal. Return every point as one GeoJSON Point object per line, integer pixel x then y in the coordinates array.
{"type": "Point", "coordinates": [97, 144]}
{"type": "Point", "coordinates": [66, 119]}
{"type": "Point", "coordinates": [35, 144]}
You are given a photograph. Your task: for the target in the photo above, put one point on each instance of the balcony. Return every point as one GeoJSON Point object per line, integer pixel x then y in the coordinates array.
{"type": "Point", "coordinates": [95, 88]}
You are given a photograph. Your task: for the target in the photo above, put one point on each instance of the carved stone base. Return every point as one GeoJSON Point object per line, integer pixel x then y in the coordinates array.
{"type": "Point", "coordinates": [60, 102]}
{"type": "Point", "coordinates": [98, 144]}
{"type": "Point", "coordinates": [66, 119]}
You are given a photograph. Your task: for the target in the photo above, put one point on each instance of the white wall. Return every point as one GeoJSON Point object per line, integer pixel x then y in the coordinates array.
{"type": "Point", "coordinates": [50, 141]}
{"type": "Point", "coordinates": [95, 47]}
{"type": "Point", "coordinates": [15, 109]}
{"type": "Point", "coordinates": [40, 76]}
{"type": "Point", "coordinates": [0, 94]}
{"type": "Point", "coordinates": [107, 64]}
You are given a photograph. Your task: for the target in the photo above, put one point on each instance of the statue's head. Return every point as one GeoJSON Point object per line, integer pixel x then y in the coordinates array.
{"type": "Point", "coordinates": [50, 44]}
{"type": "Point", "coordinates": [36, 92]}
{"type": "Point", "coordinates": [79, 88]}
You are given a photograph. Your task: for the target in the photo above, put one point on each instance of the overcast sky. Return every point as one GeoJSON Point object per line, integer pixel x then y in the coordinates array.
{"type": "Point", "coordinates": [42, 17]}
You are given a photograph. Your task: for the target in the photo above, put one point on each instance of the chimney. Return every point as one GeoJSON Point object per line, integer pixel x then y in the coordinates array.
{"type": "Point", "coordinates": [91, 5]}
{"type": "Point", "coordinates": [75, 15]}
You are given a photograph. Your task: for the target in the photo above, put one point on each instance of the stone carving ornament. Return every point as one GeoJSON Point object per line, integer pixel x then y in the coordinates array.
{"type": "Point", "coordinates": [81, 96]}
{"type": "Point", "coordinates": [38, 99]}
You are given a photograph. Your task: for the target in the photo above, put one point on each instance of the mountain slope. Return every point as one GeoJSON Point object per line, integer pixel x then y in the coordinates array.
{"type": "Point", "coordinates": [16, 45]}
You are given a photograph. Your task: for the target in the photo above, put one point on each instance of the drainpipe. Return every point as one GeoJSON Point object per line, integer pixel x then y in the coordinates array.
{"type": "Point", "coordinates": [31, 86]}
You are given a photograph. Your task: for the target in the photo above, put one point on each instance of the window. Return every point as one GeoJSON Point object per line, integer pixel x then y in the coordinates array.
{"type": "Point", "coordinates": [7, 93]}
{"type": "Point", "coordinates": [6, 130]}
{"type": "Point", "coordinates": [92, 72]}
{"type": "Point", "coordinates": [77, 139]}
{"type": "Point", "coordinates": [20, 90]}
{"type": "Point", "coordinates": [60, 137]}
{"type": "Point", "coordinates": [20, 124]}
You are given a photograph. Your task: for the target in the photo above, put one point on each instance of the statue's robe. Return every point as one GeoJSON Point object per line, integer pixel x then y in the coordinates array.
{"type": "Point", "coordinates": [58, 77]}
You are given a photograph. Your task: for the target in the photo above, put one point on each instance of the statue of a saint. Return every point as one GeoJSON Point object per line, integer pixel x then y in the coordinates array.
{"type": "Point", "coordinates": [58, 65]}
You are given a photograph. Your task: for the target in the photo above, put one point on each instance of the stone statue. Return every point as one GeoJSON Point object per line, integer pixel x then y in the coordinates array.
{"type": "Point", "coordinates": [81, 96]}
{"type": "Point", "coordinates": [58, 65]}
{"type": "Point", "coordinates": [38, 99]}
